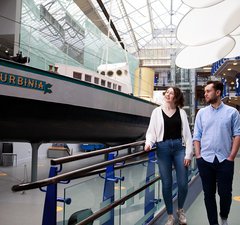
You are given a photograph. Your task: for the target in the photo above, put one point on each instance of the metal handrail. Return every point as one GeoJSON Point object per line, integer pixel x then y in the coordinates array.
{"type": "Point", "coordinates": [95, 153]}
{"type": "Point", "coordinates": [98, 171]}
{"type": "Point", "coordinates": [116, 203]}
{"type": "Point", "coordinates": [75, 173]}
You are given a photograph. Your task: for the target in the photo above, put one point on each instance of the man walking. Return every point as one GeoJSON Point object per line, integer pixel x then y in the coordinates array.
{"type": "Point", "coordinates": [216, 140]}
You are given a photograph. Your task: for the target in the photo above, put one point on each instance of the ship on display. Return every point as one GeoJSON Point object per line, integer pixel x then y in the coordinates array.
{"type": "Point", "coordinates": [73, 105]}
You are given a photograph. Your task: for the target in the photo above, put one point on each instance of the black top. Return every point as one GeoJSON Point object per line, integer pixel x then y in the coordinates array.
{"type": "Point", "coordinates": [172, 126]}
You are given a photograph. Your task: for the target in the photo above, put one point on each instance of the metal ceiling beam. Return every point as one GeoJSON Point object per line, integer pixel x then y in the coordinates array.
{"type": "Point", "coordinates": [100, 3]}
{"type": "Point", "coordinates": [90, 11]}
{"type": "Point", "coordinates": [150, 16]}
{"type": "Point", "coordinates": [130, 26]}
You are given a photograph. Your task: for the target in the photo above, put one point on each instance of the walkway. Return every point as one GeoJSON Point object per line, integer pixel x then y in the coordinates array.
{"type": "Point", "coordinates": [24, 208]}
{"type": "Point", "coordinates": [197, 214]}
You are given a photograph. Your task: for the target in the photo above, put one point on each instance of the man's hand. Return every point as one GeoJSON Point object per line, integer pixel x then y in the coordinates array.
{"type": "Point", "coordinates": [230, 158]}
{"type": "Point", "coordinates": [198, 156]}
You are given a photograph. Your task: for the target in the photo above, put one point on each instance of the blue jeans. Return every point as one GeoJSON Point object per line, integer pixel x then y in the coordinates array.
{"type": "Point", "coordinates": [171, 153]}
{"type": "Point", "coordinates": [218, 176]}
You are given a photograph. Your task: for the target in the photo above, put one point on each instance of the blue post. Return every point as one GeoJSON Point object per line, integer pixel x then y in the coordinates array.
{"type": "Point", "coordinates": [150, 192]}
{"type": "Point", "coordinates": [50, 205]}
{"type": "Point", "coordinates": [108, 192]}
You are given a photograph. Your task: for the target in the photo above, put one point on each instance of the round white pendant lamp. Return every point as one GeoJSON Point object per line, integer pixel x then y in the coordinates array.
{"type": "Point", "coordinates": [201, 3]}
{"type": "Point", "coordinates": [236, 31]}
{"type": "Point", "coordinates": [197, 56]}
{"type": "Point", "coordinates": [204, 25]}
{"type": "Point", "coordinates": [236, 50]}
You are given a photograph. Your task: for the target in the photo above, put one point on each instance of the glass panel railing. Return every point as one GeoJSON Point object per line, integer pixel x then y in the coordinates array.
{"type": "Point", "coordinates": [141, 208]}
{"type": "Point", "coordinates": [133, 209]}
{"type": "Point", "coordinates": [134, 177]}
{"type": "Point", "coordinates": [193, 169]}
{"type": "Point", "coordinates": [86, 194]}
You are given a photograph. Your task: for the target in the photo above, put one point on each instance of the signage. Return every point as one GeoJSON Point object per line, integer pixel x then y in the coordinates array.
{"type": "Point", "coordinates": [25, 82]}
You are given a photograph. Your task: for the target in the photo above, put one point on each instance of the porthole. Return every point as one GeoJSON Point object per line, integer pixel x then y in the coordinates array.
{"type": "Point", "coordinates": [119, 72]}
{"type": "Point", "coordinates": [110, 73]}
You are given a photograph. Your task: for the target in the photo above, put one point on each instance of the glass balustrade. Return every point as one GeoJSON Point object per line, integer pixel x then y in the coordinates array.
{"type": "Point", "coordinates": [88, 194]}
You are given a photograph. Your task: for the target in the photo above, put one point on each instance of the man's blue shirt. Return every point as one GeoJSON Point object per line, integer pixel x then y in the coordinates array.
{"type": "Point", "coordinates": [215, 128]}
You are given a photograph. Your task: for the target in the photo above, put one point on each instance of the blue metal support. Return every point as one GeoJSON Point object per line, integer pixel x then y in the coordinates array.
{"type": "Point", "coordinates": [109, 188]}
{"type": "Point", "coordinates": [63, 200]}
{"type": "Point", "coordinates": [51, 199]}
{"type": "Point", "coordinates": [109, 191]}
{"type": "Point", "coordinates": [50, 205]}
{"type": "Point", "coordinates": [150, 192]}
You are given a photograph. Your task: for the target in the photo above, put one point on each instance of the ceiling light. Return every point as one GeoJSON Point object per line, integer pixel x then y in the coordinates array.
{"type": "Point", "coordinates": [235, 51]}
{"type": "Point", "coordinates": [236, 31]}
{"type": "Point", "coordinates": [195, 56]}
{"type": "Point", "coordinates": [201, 4]}
{"type": "Point", "coordinates": [204, 25]}
{"type": "Point", "coordinates": [7, 51]}
{"type": "Point", "coordinates": [235, 63]}
{"type": "Point", "coordinates": [229, 69]}
{"type": "Point", "coordinates": [207, 68]}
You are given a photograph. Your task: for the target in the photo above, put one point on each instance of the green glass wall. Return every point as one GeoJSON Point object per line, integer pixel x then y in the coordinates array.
{"type": "Point", "coordinates": [58, 32]}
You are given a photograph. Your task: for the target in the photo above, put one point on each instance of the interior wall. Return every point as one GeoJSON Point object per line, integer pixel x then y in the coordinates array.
{"type": "Point", "coordinates": [10, 23]}
{"type": "Point", "coordinates": [24, 151]}
{"type": "Point", "coordinates": [7, 10]}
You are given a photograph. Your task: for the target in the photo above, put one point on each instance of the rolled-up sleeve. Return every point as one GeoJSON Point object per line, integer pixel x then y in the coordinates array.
{"type": "Point", "coordinates": [236, 124]}
{"type": "Point", "coordinates": [197, 134]}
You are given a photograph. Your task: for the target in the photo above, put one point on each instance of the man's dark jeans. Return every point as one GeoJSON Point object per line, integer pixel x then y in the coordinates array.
{"type": "Point", "coordinates": [218, 175]}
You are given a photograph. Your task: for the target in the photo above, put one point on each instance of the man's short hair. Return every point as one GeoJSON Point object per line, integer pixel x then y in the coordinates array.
{"type": "Point", "coordinates": [217, 85]}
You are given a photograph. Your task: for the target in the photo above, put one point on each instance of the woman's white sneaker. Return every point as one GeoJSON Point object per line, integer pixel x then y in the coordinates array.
{"type": "Point", "coordinates": [170, 220]}
{"type": "Point", "coordinates": [182, 220]}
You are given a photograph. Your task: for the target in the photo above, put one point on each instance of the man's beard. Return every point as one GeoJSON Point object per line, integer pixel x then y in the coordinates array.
{"type": "Point", "coordinates": [212, 100]}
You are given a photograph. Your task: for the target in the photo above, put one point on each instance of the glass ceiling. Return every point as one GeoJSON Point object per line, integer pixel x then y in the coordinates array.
{"type": "Point", "coordinates": [147, 28]}
{"type": "Point", "coordinates": [145, 23]}
{"type": "Point", "coordinates": [141, 24]}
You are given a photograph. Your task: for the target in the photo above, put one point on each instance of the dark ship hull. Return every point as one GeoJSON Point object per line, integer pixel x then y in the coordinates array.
{"type": "Point", "coordinates": [38, 106]}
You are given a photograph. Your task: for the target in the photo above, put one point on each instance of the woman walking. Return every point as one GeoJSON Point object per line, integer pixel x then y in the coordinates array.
{"type": "Point", "coordinates": [169, 129]}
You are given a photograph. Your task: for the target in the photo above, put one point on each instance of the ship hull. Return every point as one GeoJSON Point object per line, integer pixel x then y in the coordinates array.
{"type": "Point", "coordinates": [69, 111]}
{"type": "Point", "coordinates": [38, 121]}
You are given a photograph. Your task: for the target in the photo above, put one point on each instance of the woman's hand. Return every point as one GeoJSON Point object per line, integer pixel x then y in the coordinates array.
{"type": "Point", "coordinates": [187, 162]}
{"type": "Point", "coordinates": [147, 148]}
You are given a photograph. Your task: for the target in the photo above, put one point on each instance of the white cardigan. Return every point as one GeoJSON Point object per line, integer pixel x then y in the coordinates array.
{"type": "Point", "coordinates": [156, 130]}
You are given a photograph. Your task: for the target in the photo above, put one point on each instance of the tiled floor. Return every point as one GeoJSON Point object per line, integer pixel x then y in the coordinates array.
{"type": "Point", "coordinates": [26, 208]}
{"type": "Point", "coordinates": [19, 207]}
